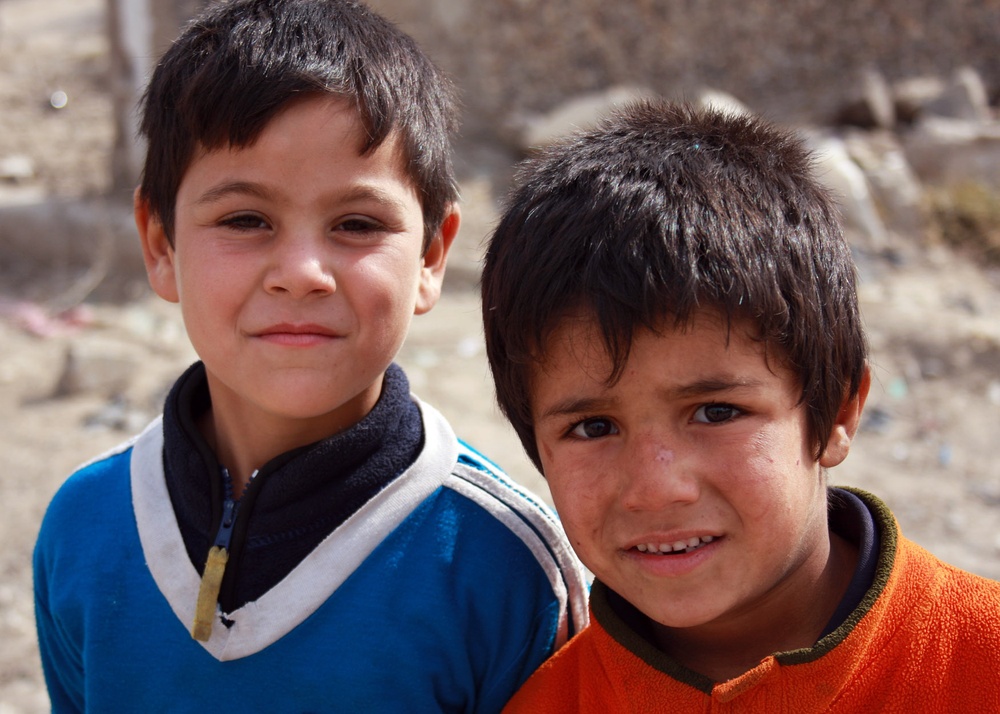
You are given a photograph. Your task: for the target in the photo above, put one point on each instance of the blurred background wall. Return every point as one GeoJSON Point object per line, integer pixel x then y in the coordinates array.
{"type": "Point", "coordinates": [803, 61]}
{"type": "Point", "coordinates": [797, 60]}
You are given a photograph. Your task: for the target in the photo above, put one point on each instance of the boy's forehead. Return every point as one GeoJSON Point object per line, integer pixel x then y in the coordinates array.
{"type": "Point", "coordinates": [577, 343]}
{"type": "Point", "coordinates": [579, 330]}
{"type": "Point", "coordinates": [341, 110]}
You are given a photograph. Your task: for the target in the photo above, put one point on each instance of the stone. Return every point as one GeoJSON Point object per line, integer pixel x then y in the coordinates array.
{"type": "Point", "coordinates": [962, 97]}
{"type": "Point", "coordinates": [17, 168]}
{"type": "Point", "coordinates": [709, 98]}
{"type": "Point", "coordinates": [874, 107]}
{"type": "Point", "coordinates": [896, 189]}
{"type": "Point", "coordinates": [912, 95]}
{"type": "Point", "coordinates": [838, 172]}
{"type": "Point", "coordinates": [945, 151]}
{"type": "Point", "coordinates": [579, 113]}
{"type": "Point", "coordinates": [95, 366]}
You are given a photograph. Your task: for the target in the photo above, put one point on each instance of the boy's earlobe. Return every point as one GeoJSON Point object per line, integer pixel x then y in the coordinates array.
{"type": "Point", "coordinates": [846, 425]}
{"type": "Point", "coordinates": [157, 253]}
{"type": "Point", "coordinates": [435, 260]}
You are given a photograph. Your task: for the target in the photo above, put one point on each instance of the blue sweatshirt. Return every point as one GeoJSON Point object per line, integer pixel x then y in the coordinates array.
{"type": "Point", "coordinates": [441, 592]}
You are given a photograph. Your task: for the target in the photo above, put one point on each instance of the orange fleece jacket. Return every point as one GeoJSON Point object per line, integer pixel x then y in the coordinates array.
{"type": "Point", "coordinates": [925, 638]}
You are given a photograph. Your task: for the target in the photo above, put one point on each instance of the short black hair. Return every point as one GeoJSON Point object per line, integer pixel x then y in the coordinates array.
{"type": "Point", "coordinates": [662, 211]}
{"type": "Point", "coordinates": [242, 61]}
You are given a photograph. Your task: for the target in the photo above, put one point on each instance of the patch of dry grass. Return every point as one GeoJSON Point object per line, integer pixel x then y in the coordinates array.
{"type": "Point", "coordinates": [966, 216]}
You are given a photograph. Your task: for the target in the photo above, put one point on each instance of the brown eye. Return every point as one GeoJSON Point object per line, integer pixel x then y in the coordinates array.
{"type": "Point", "coordinates": [358, 225]}
{"type": "Point", "coordinates": [245, 222]}
{"type": "Point", "coordinates": [594, 428]}
{"type": "Point", "coordinates": [716, 413]}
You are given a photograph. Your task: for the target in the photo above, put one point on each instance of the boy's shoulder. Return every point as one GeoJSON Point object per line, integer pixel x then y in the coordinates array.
{"type": "Point", "coordinates": [474, 470]}
{"type": "Point", "coordinates": [97, 482]}
{"type": "Point", "coordinates": [483, 484]}
{"type": "Point", "coordinates": [908, 572]}
{"type": "Point", "coordinates": [952, 600]}
{"type": "Point", "coordinates": [525, 515]}
{"type": "Point", "coordinates": [89, 521]}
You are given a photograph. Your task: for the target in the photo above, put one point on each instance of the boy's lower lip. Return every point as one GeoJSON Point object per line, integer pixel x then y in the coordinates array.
{"type": "Point", "coordinates": [672, 565]}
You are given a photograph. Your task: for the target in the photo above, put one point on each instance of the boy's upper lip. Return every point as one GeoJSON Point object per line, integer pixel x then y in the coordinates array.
{"type": "Point", "coordinates": [296, 328]}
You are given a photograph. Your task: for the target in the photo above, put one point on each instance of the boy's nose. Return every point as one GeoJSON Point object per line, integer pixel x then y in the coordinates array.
{"type": "Point", "coordinates": [655, 477]}
{"type": "Point", "coordinates": [300, 267]}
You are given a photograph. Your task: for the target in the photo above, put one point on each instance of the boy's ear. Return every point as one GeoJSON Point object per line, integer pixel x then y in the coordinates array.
{"type": "Point", "coordinates": [434, 261]}
{"type": "Point", "coordinates": [157, 253]}
{"type": "Point", "coordinates": [846, 425]}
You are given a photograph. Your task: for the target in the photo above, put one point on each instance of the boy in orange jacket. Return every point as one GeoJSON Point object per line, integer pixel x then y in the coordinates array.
{"type": "Point", "coordinates": [673, 327]}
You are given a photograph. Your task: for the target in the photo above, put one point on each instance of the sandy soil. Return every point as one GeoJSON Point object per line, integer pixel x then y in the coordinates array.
{"type": "Point", "coordinates": [926, 446]}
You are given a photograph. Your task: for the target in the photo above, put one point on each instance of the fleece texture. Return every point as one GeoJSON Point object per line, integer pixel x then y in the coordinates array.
{"type": "Point", "coordinates": [925, 638]}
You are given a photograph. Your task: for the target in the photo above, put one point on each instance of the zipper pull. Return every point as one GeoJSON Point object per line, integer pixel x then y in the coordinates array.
{"type": "Point", "coordinates": [208, 593]}
{"type": "Point", "coordinates": [215, 568]}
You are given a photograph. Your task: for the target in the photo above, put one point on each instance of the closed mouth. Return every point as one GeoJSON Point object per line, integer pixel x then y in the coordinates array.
{"type": "Point", "coordinates": [297, 330]}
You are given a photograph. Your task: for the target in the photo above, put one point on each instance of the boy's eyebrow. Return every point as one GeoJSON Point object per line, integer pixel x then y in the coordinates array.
{"type": "Point", "coordinates": [372, 193]}
{"type": "Point", "coordinates": [257, 190]}
{"type": "Point", "coordinates": [578, 405]}
{"type": "Point", "coordinates": [704, 387]}
{"type": "Point", "coordinates": [700, 388]}
{"type": "Point", "coordinates": [243, 188]}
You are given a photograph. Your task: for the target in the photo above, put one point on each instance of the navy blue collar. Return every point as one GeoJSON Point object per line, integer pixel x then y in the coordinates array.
{"type": "Point", "coordinates": [850, 518]}
{"type": "Point", "coordinates": [296, 499]}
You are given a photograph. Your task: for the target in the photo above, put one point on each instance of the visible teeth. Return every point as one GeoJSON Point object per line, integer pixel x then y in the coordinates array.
{"type": "Point", "coordinates": [677, 547]}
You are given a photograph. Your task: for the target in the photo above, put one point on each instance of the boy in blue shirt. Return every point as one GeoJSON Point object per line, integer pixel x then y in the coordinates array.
{"type": "Point", "coordinates": [297, 532]}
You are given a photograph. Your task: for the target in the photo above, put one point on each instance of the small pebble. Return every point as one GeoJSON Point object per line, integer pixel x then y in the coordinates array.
{"type": "Point", "coordinates": [59, 99]}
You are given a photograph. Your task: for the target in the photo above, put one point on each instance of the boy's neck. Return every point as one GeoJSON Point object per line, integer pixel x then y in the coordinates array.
{"type": "Point", "coordinates": [724, 651]}
{"type": "Point", "coordinates": [244, 453]}
{"type": "Point", "coordinates": [244, 443]}
{"type": "Point", "coordinates": [240, 463]}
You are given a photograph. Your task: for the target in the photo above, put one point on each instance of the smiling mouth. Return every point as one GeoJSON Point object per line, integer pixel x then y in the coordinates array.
{"type": "Point", "coordinates": [677, 548]}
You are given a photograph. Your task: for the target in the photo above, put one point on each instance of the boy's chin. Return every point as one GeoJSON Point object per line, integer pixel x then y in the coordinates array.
{"type": "Point", "coordinates": [681, 618]}
{"type": "Point", "coordinates": [671, 610]}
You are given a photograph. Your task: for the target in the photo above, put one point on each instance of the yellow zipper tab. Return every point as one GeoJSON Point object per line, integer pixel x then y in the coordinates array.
{"type": "Point", "coordinates": [208, 593]}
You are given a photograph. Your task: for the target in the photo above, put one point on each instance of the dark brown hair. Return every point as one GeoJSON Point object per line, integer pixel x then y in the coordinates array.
{"type": "Point", "coordinates": [243, 61]}
{"type": "Point", "coordinates": [662, 211]}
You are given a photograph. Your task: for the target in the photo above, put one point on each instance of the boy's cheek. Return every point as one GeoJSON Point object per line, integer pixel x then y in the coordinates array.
{"type": "Point", "coordinates": [579, 494]}
{"type": "Point", "coordinates": [545, 453]}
